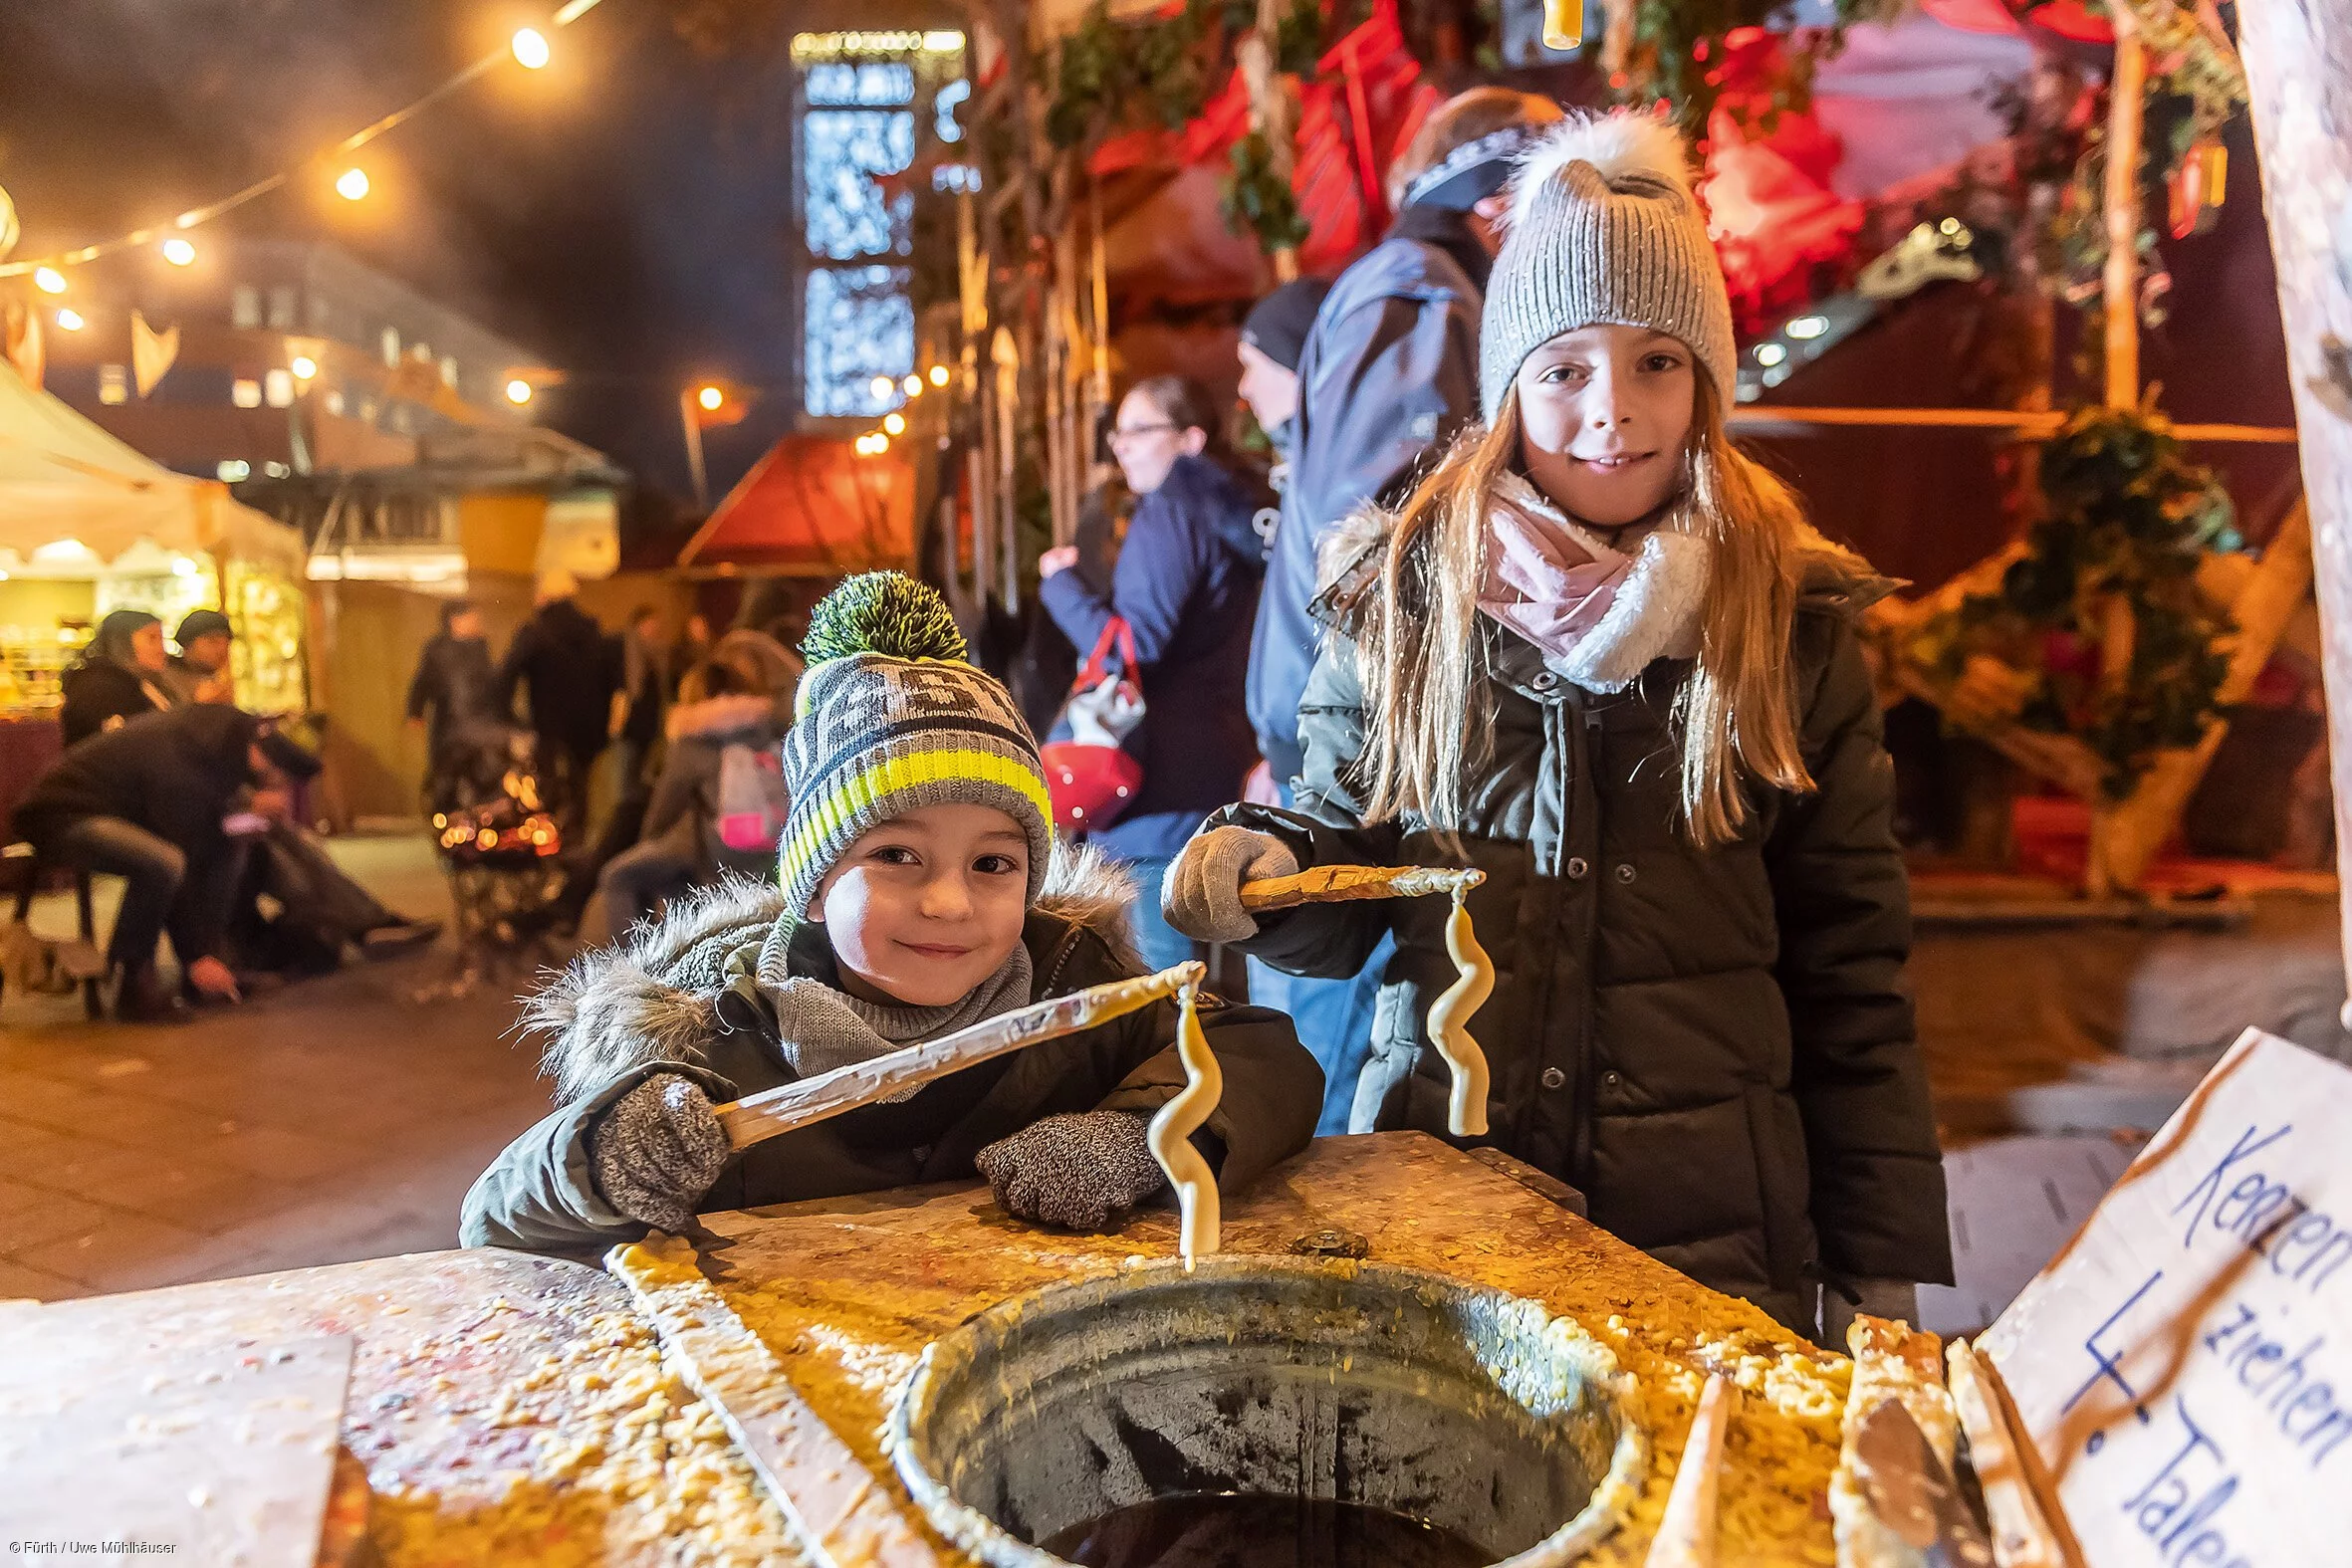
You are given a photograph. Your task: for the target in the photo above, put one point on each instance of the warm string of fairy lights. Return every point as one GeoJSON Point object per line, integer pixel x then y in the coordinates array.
{"type": "Point", "coordinates": [529, 49]}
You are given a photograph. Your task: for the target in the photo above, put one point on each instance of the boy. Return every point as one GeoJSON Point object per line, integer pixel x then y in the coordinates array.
{"type": "Point", "coordinates": [922, 892]}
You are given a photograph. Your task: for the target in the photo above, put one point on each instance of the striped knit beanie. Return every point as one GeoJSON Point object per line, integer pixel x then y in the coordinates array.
{"type": "Point", "coordinates": [890, 719]}
{"type": "Point", "coordinates": [1603, 228]}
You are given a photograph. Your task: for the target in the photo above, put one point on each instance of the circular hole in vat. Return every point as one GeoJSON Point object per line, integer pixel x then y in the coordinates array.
{"type": "Point", "coordinates": [1271, 1410]}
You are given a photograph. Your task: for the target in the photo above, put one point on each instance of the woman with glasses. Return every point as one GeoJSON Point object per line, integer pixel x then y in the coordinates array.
{"type": "Point", "coordinates": [1186, 584]}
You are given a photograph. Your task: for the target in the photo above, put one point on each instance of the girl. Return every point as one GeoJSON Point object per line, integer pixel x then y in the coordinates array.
{"type": "Point", "coordinates": [1600, 655]}
{"type": "Point", "coordinates": [922, 893]}
{"type": "Point", "coordinates": [1187, 587]}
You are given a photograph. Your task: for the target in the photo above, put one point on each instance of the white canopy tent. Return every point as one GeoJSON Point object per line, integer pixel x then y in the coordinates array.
{"type": "Point", "coordinates": [66, 482]}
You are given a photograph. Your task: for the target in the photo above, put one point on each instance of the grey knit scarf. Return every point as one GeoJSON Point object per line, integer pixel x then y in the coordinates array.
{"type": "Point", "coordinates": [821, 1029]}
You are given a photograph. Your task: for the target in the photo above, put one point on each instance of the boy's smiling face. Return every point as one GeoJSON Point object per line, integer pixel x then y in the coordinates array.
{"type": "Point", "coordinates": [923, 908]}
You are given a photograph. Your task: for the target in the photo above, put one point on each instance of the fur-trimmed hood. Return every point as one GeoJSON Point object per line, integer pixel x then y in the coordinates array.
{"type": "Point", "coordinates": [1655, 612]}
{"type": "Point", "coordinates": [650, 994]}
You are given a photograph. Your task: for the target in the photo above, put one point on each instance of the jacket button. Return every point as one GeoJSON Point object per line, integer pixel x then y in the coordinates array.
{"type": "Point", "coordinates": [1576, 868]}
{"type": "Point", "coordinates": [1610, 1080]}
{"type": "Point", "coordinates": [1553, 1077]}
{"type": "Point", "coordinates": [1625, 873]}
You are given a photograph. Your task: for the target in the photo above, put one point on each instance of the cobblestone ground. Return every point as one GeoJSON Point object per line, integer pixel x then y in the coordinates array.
{"type": "Point", "coordinates": [337, 1118]}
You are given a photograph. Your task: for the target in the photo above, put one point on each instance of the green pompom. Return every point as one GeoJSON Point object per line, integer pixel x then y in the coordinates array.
{"type": "Point", "coordinates": [886, 612]}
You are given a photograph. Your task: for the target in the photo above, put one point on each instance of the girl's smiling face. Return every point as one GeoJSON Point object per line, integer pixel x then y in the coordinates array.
{"type": "Point", "coordinates": [1605, 412]}
{"type": "Point", "coordinates": [923, 908]}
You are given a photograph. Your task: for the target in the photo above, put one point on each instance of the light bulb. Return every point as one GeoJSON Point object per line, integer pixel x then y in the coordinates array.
{"type": "Point", "coordinates": [939, 375]}
{"type": "Point", "coordinates": [912, 386]}
{"type": "Point", "coordinates": [710, 397]}
{"type": "Point", "coordinates": [531, 48]}
{"type": "Point", "coordinates": [895, 424]}
{"type": "Point", "coordinates": [49, 280]}
{"type": "Point", "coordinates": [882, 386]}
{"type": "Point", "coordinates": [71, 320]}
{"type": "Point", "coordinates": [517, 391]}
{"type": "Point", "coordinates": [351, 184]}
{"type": "Point", "coordinates": [304, 368]}
{"type": "Point", "coordinates": [179, 251]}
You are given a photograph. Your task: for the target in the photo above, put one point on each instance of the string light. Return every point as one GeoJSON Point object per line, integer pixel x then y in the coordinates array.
{"type": "Point", "coordinates": [912, 386]}
{"type": "Point", "coordinates": [71, 320]}
{"type": "Point", "coordinates": [517, 391]}
{"type": "Point", "coordinates": [882, 386]}
{"type": "Point", "coordinates": [304, 368]}
{"type": "Point", "coordinates": [50, 281]}
{"type": "Point", "coordinates": [351, 184]}
{"type": "Point", "coordinates": [939, 375]}
{"type": "Point", "coordinates": [710, 397]}
{"type": "Point", "coordinates": [895, 424]}
{"type": "Point", "coordinates": [531, 48]}
{"type": "Point", "coordinates": [179, 251]}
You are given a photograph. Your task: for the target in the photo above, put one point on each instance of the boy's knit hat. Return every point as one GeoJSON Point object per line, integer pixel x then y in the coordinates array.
{"type": "Point", "coordinates": [1603, 228]}
{"type": "Point", "coordinates": [890, 719]}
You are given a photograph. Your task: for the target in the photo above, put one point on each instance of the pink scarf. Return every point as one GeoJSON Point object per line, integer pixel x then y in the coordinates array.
{"type": "Point", "coordinates": [1545, 582]}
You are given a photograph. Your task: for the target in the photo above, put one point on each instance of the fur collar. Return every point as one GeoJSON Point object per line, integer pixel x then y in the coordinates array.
{"type": "Point", "coordinates": [716, 716]}
{"type": "Point", "coordinates": [649, 997]}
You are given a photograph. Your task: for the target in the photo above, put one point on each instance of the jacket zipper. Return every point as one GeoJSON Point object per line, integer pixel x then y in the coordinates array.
{"type": "Point", "coordinates": [1580, 1160]}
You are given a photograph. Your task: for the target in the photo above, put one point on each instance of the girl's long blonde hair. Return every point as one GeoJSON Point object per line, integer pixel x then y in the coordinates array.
{"type": "Point", "coordinates": [1422, 653]}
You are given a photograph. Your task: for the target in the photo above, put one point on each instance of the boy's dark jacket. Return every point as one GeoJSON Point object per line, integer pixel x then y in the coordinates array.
{"type": "Point", "coordinates": [666, 1000]}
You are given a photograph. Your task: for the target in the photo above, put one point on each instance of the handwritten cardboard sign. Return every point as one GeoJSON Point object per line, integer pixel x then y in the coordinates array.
{"type": "Point", "coordinates": [2185, 1364]}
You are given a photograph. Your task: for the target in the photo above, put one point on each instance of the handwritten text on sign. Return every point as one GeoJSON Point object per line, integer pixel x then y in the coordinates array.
{"type": "Point", "coordinates": [2186, 1364]}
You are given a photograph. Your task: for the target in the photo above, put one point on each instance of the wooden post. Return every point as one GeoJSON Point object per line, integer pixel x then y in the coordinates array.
{"type": "Point", "coordinates": [2127, 90]}
{"type": "Point", "coordinates": [2298, 68]}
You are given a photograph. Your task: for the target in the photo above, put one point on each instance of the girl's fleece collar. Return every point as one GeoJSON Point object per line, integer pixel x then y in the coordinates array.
{"type": "Point", "coordinates": [1653, 598]}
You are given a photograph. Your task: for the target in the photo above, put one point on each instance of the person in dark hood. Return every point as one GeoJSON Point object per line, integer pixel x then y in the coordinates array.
{"type": "Point", "coordinates": [1274, 336]}
{"type": "Point", "coordinates": [570, 668]}
{"type": "Point", "coordinates": [1388, 374]}
{"type": "Point", "coordinates": [199, 672]}
{"type": "Point", "coordinates": [1186, 584]}
{"type": "Point", "coordinates": [155, 800]}
{"type": "Point", "coordinates": [453, 680]}
{"type": "Point", "coordinates": [119, 676]}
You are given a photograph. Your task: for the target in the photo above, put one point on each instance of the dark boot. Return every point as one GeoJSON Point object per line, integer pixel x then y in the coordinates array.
{"type": "Point", "coordinates": [139, 998]}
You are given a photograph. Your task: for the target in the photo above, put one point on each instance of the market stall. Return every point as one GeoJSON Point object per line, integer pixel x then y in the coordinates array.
{"type": "Point", "coordinates": [89, 525]}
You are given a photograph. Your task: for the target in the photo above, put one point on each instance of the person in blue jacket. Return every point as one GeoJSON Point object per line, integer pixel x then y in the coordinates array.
{"type": "Point", "coordinates": [1187, 587]}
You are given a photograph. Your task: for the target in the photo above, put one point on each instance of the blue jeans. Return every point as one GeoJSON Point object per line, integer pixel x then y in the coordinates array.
{"type": "Point", "coordinates": [1334, 1020]}
{"type": "Point", "coordinates": [1162, 945]}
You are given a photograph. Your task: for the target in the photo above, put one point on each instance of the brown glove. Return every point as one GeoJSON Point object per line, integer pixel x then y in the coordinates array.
{"type": "Point", "coordinates": [1083, 1172]}
{"type": "Point", "coordinates": [658, 1151]}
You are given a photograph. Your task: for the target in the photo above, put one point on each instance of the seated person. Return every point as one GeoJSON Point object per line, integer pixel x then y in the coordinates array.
{"type": "Point", "coordinates": [922, 892]}
{"type": "Point", "coordinates": [162, 802]}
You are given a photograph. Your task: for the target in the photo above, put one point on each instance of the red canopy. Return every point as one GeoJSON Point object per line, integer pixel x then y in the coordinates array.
{"type": "Point", "coordinates": [812, 507]}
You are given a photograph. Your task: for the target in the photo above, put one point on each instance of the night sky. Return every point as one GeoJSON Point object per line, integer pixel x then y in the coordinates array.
{"type": "Point", "coordinates": [624, 213]}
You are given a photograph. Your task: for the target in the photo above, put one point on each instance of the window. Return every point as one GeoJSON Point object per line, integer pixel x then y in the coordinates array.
{"type": "Point", "coordinates": [392, 346]}
{"type": "Point", "coordinates": [284, 301]}
{"type": "Point", "coordinates": [245, 306]}
{"type": "Point", "coordinates": [858, 323]}
{"type": "Point", "coordinates": [278, 387]}
{"type": "Point", "coordinates": [114, 385]}
{"type": "Point", "coordinates": [245, 393]}
{"type": "Point", "coordinates": [865, 104]}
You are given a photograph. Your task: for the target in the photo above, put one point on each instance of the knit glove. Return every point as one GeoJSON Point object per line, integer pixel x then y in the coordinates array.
{"type": "Point", "coordinates": [1083, 1172]}
{"type": "Point", "coordinates": [1887, 1298]}
{"type": "Point", "coordinates": [1202, 896]}
{"type": "Point", "coordinates": [658, 1151]}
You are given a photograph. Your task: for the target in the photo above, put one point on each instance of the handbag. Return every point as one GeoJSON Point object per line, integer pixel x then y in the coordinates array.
{"type": "Point", "coordinates": [1091, 778]}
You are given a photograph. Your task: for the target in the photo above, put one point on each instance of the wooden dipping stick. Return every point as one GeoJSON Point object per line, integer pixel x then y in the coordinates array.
{"type": "Point", "coordinates": [758, 1117]}
{"type": "Point", "coordinates": [1449, 1016]}
{"type": "Point", "coordinates": [1686, 1533]}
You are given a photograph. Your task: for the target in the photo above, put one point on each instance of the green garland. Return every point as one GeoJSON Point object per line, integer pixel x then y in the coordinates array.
{"type": "Point", "coordinates": [2126, 515]}
{"type": "Point", "coordinates": [1678, 49]}
{"type": "Point", "coordinates": [1258, 200]}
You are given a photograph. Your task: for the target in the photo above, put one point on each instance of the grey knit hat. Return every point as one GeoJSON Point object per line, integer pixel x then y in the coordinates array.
{"type": "Point", "coordinates": [891, 719]}
{"type": "Point", "coordinates": [1603, 228]}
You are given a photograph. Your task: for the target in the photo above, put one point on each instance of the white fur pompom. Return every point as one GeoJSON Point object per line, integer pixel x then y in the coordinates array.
{"type": "Point", "coordinates": [1618, 144]}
